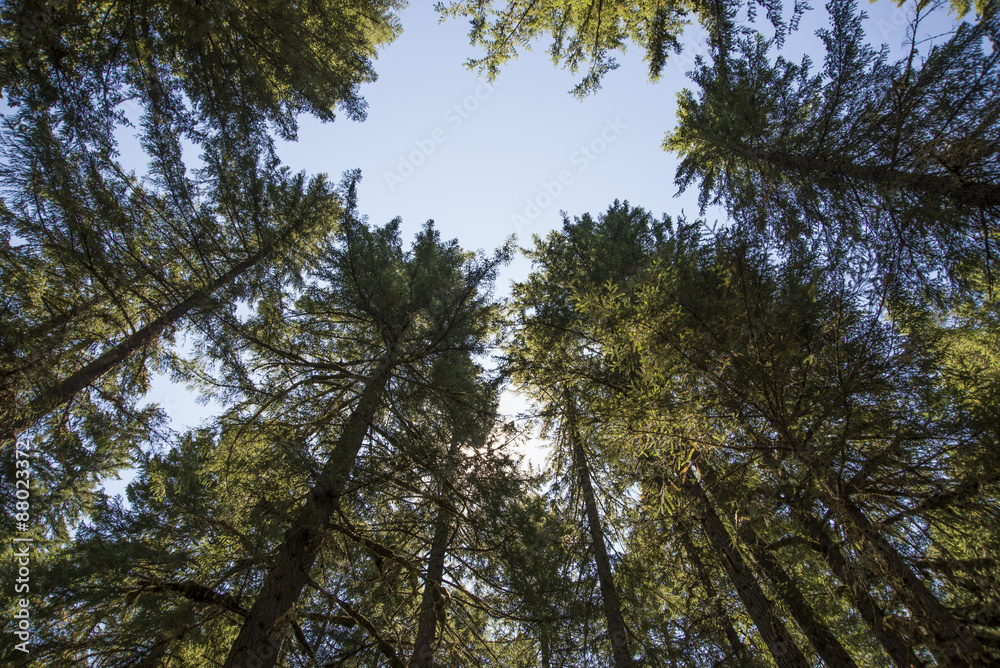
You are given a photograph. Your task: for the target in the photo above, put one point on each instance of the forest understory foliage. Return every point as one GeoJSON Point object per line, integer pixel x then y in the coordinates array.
{"type": "Point", "coordinates": [774, 442]}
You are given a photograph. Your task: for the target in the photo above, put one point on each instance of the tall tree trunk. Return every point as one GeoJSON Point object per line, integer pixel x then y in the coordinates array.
{"type": "Point", "coordinates": [259, 639]}
{"type": "Point", "coordinates": [543, 640]}
{"type": "Point", "coordinates": [53, 397]}
{"type": "Point", "coordinates": [621, 654]}
{"type": "Point", "coordinates": [432, 602]}
{"type": "Point", "coordinates": [899, 650]}
{"type": "Point", "coordinates": [740, 653]}
{"type": "Point", "coordinates": [784, 650]}
{"type": "Point", "coordinates": [827, 646]}
{"type": "Point", "coordinates": [968, 193]}
{"type": "Point", "coordinates": [951, 643]}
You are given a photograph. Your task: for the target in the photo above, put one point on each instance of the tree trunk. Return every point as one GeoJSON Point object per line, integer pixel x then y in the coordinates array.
{"type": "Point", "coordinates": [543, 640]}
{"type": "Point", "coordinates": [54, 397]}
{"type": "Point", "coordinates": [784, 650]}
{"type": "Point", "coordinates": [259, 639]}
{"type": "Point", "coordinates": [968, 193]}
{"type": "Point", "coordinates": [740, 653]}
{"type": "Point", "coordinates": [950, 642]}
{"type": "Point", "coordinates": [432, 602]}
{"type": "Point", "coordinates": [827, 646]}
{"type": "Point", "coordinates": [899, 650]}
{"type": "Point", "coordinates": [609, 594]}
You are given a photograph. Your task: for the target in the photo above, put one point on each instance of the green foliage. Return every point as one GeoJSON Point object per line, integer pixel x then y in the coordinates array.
{"type": "Point", "coordinates": [790, 419]}
{"type": "Point", "coordinates": [896, 163]}
{"type": "Point", "coordinates": [102, 267]}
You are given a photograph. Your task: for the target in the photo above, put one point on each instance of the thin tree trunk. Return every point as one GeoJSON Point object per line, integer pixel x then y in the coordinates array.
{"type": "Point", "coordinates": [543, 640]}
{"type": "Point", "coordinates": [259, 639]}
{"type": "Point", "coordinates": [827, 646]}
{"type": "Point", "coordinates": [621, 654]}
{"type": "Point", "coordinates": [54, 397]}
{"type": "Point", "coordinates": [740, 653]}
{"type": "Point", "coordinates": [432, 603]}
{"type": "Point", "coordinates": [784, 650]}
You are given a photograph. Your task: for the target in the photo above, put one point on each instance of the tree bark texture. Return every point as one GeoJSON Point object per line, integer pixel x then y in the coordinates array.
{"type": "Point", "coordinates": [784, 650]}
{"type": "Point", "coordinates": [621, 654]}
{"type": "Point", "coordinates": [259, 639]}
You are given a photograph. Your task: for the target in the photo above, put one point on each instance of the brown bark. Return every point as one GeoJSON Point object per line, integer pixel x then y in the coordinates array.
{"type": "Point", "coordinates": [543, 640]}
{"type": "Point", "coordinates": [770, 626]}
{"type": "Point", "coordinates": [621, 654]}
{"type": "Point", "coordinates": [54, 397]}
{"type": "Point", "coordinates": [259, 639]}
{"type": "Point", "coordinates": [431, 603]}
{"type": "Point", "coordinates": [951, 643]}
{"type": "Point", "coordinates": [740, 653]}
{"type": "Point", "coordinates": [899, 650]}
{"type": "Point", "coordinates": [827, 646]}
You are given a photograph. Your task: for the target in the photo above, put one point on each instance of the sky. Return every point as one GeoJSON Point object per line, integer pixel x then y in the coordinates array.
{"type": "Point", "coordinates": [489, 160]}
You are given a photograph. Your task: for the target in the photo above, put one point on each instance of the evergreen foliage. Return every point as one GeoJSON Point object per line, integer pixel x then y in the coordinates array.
{"type": "Point", "coordinates": [775, 443]}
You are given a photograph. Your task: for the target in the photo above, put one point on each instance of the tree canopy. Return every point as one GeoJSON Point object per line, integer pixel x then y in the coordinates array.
{"type": "Point", "coordinates": [772, 442]}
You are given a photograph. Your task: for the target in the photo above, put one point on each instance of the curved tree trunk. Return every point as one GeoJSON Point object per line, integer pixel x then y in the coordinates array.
{"type": "Point", "coordinates": [260, 638]}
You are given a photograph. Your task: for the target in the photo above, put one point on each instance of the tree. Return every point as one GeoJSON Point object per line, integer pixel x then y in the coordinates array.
{"type": "Point", "coordinates": [554, 358]}
{"type": "Point", "coordinates": [897, 160]}
{"type": "Point", "coordinates": [279, 470]}
{"type": "Point", "coordinates": [240, 65]}
{"type": "Point", "coordinates": [789, 408]}
{"type": "Point", "coordinates": [417, 309]}
{"type": "Point", "coordinates": [101, 267]}
{"type": "Point", "coordinates": [140, 286]}
{"type": "Point", "coordinates": [587, 34]}
{"type": "Point", "coordinates": [776, 368]}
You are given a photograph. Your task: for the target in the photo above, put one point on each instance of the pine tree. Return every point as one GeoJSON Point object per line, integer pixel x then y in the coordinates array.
{"type": "Point", "coordinates": [586, 35]}
{"type": "Point", "coordinates": [409, 310]}
{"type": "Point", "coordinates": [898, 160]}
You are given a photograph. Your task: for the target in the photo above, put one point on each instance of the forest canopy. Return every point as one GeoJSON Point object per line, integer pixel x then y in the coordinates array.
{"type": "Point", "coordinates": [773, 442]}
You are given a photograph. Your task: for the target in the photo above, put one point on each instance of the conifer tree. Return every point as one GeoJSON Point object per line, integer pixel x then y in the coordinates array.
{"type": "Point", "coordinates": [896, 160]}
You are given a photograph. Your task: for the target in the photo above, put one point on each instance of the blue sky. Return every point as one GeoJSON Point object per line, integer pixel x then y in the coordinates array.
{"type": "Point", "coordinates": [485, 162]}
